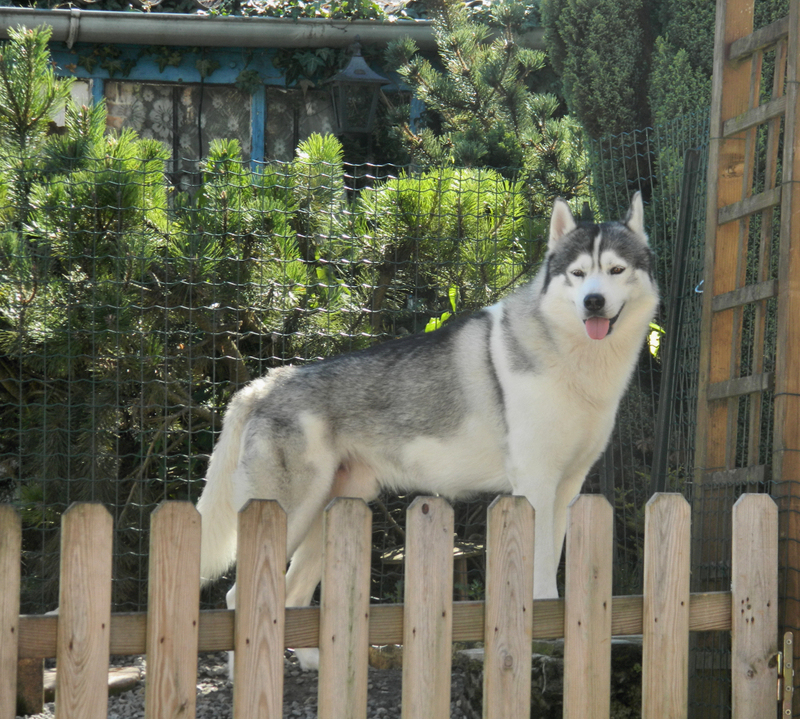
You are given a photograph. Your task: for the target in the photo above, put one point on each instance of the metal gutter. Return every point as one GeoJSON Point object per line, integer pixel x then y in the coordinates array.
{"type": "Point", "coordinates": [135, 28]}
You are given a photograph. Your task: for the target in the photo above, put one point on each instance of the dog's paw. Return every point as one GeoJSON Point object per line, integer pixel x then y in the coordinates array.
{"type": "Point", "coordinates": [308, 658]}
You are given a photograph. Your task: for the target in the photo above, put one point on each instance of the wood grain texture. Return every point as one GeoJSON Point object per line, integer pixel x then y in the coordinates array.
{"type": "Point", "coordinates": [720, 332]}
{"type": "Point", "coordinates": [10, 548]}
{"type": "Point", "coordinates": [509, 610]}
{"type": "Point", "coordinates": [786, 447]}
{"type": "Point", "coordinates": [173, 608]}
{"type": "Point", "coordinates": [726, 185]}
{"type": "Point", "coordinates": [84, 612]}
{"type": "Point", "coordinates": [344, 610]}
{"type": "Point", "coordinates": [754, 583]}
{"type": "Point", "coordinates": [665, 655]}
{"type": "Point", "coordinates": [428, 621]}
{"type": "Point", "coordinates": [709, 611]}
{"type": "Point", "coordinates": [587, 598]}
{"type": "Point", "coordinates": [260, 616]}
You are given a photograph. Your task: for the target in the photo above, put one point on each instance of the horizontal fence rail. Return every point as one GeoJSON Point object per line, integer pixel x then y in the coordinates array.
{"type": "Point", "coordinates": [173, 630]}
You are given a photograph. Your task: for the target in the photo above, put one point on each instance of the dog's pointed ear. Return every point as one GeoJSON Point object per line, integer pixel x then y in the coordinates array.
{"type": "Point", "coordinates": [561, 222]}
{"type": "Point", "coordinates": [635, 217]}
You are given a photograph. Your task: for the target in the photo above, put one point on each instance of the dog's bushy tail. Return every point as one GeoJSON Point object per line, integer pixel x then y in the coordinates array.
{"type": "Point", "coordinates": [216, 504]}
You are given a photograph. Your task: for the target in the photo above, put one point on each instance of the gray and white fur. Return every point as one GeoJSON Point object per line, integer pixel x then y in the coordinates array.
{"type": "Point", "coordinates": [519, 397]}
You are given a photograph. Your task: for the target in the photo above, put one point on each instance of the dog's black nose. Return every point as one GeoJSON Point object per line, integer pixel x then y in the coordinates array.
{"type": "Point", "coordinates": [594, 302]}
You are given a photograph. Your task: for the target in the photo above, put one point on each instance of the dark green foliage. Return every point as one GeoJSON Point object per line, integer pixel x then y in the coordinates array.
{"type": "Point", "coordinates": [599, 48]}
{"type": "Point", "coordinates": [688, 25]}
{"type": "Point", "coordinates": [676, 87]}
{"type": "Point", "coordinates": [481, 111]}
{"type": "Point", "coordinates": [680, 74]}
{"type": "Point", "coordinates": [627, 65]}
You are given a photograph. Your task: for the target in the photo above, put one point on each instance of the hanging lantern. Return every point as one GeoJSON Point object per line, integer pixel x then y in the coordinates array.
{"type": "Point", "coordinates": [354, 93]}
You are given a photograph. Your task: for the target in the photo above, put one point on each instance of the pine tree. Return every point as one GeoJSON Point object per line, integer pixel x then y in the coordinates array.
{"type": "Point", "coordinates": [480, 110]}
{"type": "Point", "coordinates": [26, 108]}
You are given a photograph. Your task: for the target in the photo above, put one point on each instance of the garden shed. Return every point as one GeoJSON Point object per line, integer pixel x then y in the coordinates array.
{"type": "Point", "coordinates": [187, 79]}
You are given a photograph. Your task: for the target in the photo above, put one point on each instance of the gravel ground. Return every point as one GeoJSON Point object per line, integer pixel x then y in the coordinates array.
{"type": "Point", "coordinates": [215, 692]}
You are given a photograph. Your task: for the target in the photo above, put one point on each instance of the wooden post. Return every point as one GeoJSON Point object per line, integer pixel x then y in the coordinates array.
{"type": "Point", "coordinates": [173, 611]}
{"type": "Point", "coordinates": [587, 610]}
{"type": "Point", "coordinates": [786, 458]}
{"type": "Point", "coordinates": [509, 615]}
{"type": "Point", "coordinates": [344, 610]}
{"type": "Point", "coordinates": [30, 686]}
{"type": "Point", "coordinates": [665, 654]}
{"type": "Point", "coordinates": [754, 620]}
{"type": "Point", "coordinates": [260, 617]}
{"type": "Point", "coordinates": [721, 330]}
{"type": "Point", "coordinates": [84, 613]}
{"type": "Point", "coordinates": [10, 548]}
{"type": "Point", "coordinates": [428, 619]}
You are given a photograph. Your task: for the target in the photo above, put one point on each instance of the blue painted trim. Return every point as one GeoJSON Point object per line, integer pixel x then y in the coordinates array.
{"type": "Point", "coordinates": [144, 67]}
{"type": "Point", "coordinates": [98, 90]}
{"type": "Point", "coordinates": [258, 123]}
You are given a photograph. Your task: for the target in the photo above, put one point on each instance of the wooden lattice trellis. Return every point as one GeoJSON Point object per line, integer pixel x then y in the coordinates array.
{"type": "Point", "coordinates": [748, 436]}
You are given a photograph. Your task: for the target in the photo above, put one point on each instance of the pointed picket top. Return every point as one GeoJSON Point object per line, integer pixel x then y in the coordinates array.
{"type": "Point", "coordinates": [259, 622]}
{"type": "Point", "coordinates": [84, 619]}
{"type": "Point", "coordinates": [587, 607]}
{"type": "Point", "coordinates": [665, 652]}
{"type": "Point", "coordinates": [754, 622]}
{"type": "Point", "coordinates": [344, 610]}
{"type": "Point", "coordinates": [428, 618]}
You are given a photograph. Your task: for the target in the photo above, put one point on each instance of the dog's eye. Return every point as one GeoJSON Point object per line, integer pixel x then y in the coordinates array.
{"type": "Point", "coordinates": [578, 273]}
{"type": "Point", "coordinates": [617, 270]}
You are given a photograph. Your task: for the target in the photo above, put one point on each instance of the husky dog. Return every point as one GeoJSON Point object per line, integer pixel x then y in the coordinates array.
{"type": "Point", "coordinates": [519, 397]}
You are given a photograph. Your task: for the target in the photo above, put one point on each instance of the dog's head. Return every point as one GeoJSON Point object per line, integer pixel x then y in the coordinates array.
{"type": "Point", "coordinates": [604, 271]}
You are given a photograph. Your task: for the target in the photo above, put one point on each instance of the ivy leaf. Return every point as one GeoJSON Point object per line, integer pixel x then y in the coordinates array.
{"type": "Point", "coordinates": [249, 81]}
{"type": "Point", "coordinates": [206, 67]}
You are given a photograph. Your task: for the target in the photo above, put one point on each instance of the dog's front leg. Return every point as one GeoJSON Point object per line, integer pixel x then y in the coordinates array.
{"type": "Point", "coordinates": [568, 488]}
{"type": "Point", "coordinates": [545, 552]}
{"type": "Point", "coordinates": [542, 496]}
{"type": "Point", "coordinates": [550, 499]}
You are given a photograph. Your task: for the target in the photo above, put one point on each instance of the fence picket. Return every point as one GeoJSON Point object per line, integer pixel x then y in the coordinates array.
{"type": "Point", "coordinates": [754, 626]}
{"type": "Point", "coordinates": [587, 610]}
{"type": "Point", "coordinates": [428, 618]}
{"type": "Point", "coordinates": [665, 654]}
{"type": "Point", "coordinates": [260, 618]}
{"type": "Point", "coordinates": [173, 611]}
{"type": "Point", "coordinates": [10, 548]}
{"type": "Point", "coordinates": [509, 615]}
{"type": "Point", "coordinates": [85, 627]}
{"type": "Point", "coordinates": [344, 611]}
{"type": "Point", "coordinates": [84, 612]}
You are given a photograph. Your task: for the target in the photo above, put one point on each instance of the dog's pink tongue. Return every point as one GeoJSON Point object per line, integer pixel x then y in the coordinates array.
{"type": "Point", "coordinates": [597, 327]}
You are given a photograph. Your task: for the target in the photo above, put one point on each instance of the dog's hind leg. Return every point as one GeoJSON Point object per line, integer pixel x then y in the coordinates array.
{"type": "Point", "coordinates": [305, 569]}
{"type": "Point", "coordinates": [305, 572]}
{"type": "Point", "coordinates": [302, 579]}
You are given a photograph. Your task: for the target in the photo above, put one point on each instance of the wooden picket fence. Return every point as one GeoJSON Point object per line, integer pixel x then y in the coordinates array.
{"type": "Point", "coordinates": [174, 630]}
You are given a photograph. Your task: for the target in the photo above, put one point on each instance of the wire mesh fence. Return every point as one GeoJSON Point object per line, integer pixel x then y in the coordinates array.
{"type": "Point", "coordinates": [130, 312]}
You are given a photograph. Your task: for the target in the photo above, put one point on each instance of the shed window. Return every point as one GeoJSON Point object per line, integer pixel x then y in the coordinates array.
{"type": "Point", "coordinates": [184, 117]}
